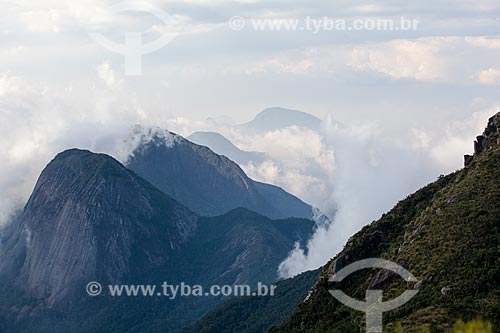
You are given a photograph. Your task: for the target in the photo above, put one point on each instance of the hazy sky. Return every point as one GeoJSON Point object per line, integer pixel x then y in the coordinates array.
{"type": "Point", "coordinates": [410, 101]}
{"type": "Point", "coordinates": [449, 66]}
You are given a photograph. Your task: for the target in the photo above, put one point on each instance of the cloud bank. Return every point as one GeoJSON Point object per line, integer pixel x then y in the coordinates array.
{"type": "Point", "coordinates": [373, 172]}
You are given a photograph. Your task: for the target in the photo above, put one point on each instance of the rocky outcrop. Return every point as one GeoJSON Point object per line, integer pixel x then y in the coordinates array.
{"type": "Point", "coordinates": [385, 276]}
{"type": "Point", "coordinates": [468, 159]}
{"type": "Point", "coordinates": [337, 265]}
{"type": "Point", "coordinates": [445, 291]}
{"type": "Point", "coordinates": [490, 136]}
{"type": "Point", "coordinates": [91, 219]}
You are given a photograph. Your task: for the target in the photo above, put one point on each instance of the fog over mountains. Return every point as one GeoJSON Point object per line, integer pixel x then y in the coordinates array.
{"type": "Point", "coordinates": [340, 169]}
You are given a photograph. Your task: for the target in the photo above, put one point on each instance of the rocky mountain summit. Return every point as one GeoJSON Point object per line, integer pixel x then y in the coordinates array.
{"type": "Point", "coordinates": [90, 218]}
{"type": "Point", "coordinates": [491, 135]}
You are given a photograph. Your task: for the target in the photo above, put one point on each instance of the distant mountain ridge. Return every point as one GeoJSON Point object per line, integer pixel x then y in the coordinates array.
{"type": "Point", "coordinates": [272, 132]}
{"type": "Point", "coordinates": [208, 183]}
{"type": "Point", "coordinates": [276, 118]}
{"type": "Point", "coordinates": [222, 146]}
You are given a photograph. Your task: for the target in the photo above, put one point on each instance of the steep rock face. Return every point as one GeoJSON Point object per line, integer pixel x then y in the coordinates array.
{"type": "Point", "coordinates": [89, 218]}
{"type": "Point", "coordinates": [491, 135]}
{"type": "Point", "coordinates": [208, 183]}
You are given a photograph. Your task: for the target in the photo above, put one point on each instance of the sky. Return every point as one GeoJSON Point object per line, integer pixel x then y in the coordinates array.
{"type": "Point", "coordinates": [409, 101]}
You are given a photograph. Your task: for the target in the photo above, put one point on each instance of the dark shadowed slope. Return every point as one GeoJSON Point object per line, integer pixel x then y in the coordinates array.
{"type": "Point", "coordinates": [238, 248]}
{"type": "Point", "coordinates": [241, 247]}
{"type": "Point", "coordinates": [257, 314]}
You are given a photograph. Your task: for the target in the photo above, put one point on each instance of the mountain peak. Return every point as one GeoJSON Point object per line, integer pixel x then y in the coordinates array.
{"type": "Point", "coordinates": [144, 136]}
{"type": "Point", "coordinates": [86, 213]}
{"type": "Point", "coordinates": [492, 131]}
{"type": "Point", "coordinates": [277, 111]}
{"type": "Point", "coordinates": [208, 183]}
{"type": "Point", "coordinates": [83, 176]}
{"type": "Point", "coordinates": [73, 152]}
{"type": "Point", "coordinates": [80, 158]}
{"type": "Point", "coordinates": [490, 136]}
{"type": "Point", "coordinates": [277, 118]}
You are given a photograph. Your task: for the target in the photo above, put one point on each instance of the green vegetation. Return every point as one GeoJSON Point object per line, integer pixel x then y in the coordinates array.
{"type": "Point", "coordinates": [257, 314]}
{"type": "Point", "coordinates": [475, 326]}
{"type": "Point", "coordinates": [448, 235]}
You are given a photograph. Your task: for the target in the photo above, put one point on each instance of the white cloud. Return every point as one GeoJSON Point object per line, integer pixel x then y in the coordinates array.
{"type": "Point", "coordinates": [107, 74]}
{"type": "Point", "coordinates": [457, 136]}
{"type": "Point", "coordinates": [484, 42]}
{"type": "Point", "coordinates": [421, 138]}
{"type": "Point", "coordinates": [294, 144]}
{"type": "Point", "coordinates": [183, 24]}
{"type": "Point", "coordinates": [451, 59]}
{"type": "Point", "coordinates": [38, 122]}
{"type": "Point", "coordinates": [300, 162]}
{"type": "Point", "coordinates": [267, 171]}
{"type": "Point", "coordinates": [489, 76]}
{"type": "Point", "coordinates": [8, 84]}
{"type": "Point", "coordinates": [42, 20]}
{"type": "Point", "coordinates": [373, 172]}
{"type": "Point", "coordinates": [415, 59]}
